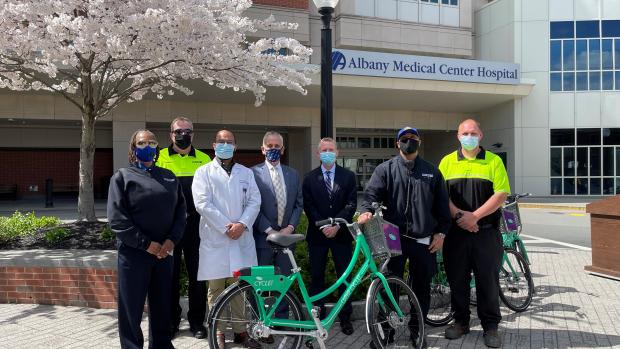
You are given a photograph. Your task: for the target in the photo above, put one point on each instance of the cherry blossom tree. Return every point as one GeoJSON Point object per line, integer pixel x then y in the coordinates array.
{"type": "Point", "coordinates": [100, 53]}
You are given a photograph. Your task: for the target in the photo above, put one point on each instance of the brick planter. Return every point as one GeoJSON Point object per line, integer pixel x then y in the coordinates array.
{"type": "Point", "coordinates": [85, 278]}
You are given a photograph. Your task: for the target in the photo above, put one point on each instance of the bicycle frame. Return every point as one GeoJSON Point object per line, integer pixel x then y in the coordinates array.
{"type": "Point", "coordinates": [264, 279]}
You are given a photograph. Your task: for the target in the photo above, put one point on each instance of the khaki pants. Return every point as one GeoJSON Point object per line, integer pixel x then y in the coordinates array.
{"type": "Point", "coordinates": [216, 287]}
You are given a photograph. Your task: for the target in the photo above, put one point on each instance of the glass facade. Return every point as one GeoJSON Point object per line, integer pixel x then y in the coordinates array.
{"type": "Point", "coordinates": [584, 55]}
{"type": "Point", "coordinates": [585, 161]}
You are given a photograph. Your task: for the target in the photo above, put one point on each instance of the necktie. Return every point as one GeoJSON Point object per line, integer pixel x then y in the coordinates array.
{"type": "Point", "coordinates": [280, 195]}
{"type": "Point", "coordinates": [328, 183]}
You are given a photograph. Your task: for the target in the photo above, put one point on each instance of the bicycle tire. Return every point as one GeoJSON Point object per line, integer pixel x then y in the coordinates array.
{"type": "Point", "coordinates": [515, 282]}
{"type": "Point", "coordinates": [440, 307]}
{"type": "Point", "coordinates": [217, 317]}
{"type": "Point", "coordinates": [520, 248]}
{"type": "Point", "coordinates": [386, 329]}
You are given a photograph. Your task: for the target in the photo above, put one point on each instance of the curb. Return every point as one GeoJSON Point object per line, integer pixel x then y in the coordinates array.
{"type": "Point", "coordinates": [553, 207]}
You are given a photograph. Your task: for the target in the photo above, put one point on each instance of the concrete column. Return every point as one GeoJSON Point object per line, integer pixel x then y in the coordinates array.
{"type": "Point", "coordinates": [121, 132]}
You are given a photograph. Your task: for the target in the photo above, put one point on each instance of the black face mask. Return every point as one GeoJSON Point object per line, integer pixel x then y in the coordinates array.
{"type": "Point", "coordinates": [409, 146]}
{"type": "Point", "coordinates": [183, 140]}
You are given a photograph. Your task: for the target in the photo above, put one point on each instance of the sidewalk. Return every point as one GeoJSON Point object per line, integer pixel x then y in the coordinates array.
{"type": "Point", "coordinates": [571, 309]}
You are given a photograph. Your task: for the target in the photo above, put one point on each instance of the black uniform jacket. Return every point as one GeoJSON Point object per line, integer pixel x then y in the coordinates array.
{"type": "Point", "coordinates": [416, 199]}
{"type": "Point", "coordinates": [145, 206]}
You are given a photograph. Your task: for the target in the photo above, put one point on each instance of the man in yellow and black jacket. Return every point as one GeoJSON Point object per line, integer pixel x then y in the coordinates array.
{"type": "Point", "coordinates": [183, 160]}
{"type": "Point", "coordinates": [477, 186]}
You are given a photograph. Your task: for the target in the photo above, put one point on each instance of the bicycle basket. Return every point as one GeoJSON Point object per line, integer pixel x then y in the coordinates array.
{"type": "Point", "coordinates": [510, 220]}
{"type": "Point", "coordinates": [382, 237]}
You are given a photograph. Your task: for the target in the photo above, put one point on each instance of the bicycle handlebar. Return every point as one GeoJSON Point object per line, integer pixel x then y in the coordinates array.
{"type": "Point", "coordinates": [331, 221]}
{"type": "Point", "coordinates": [515, 197]}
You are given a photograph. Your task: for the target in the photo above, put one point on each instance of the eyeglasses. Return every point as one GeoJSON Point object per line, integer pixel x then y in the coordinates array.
{"type": "Point", "coordinates": [181, 131]}
{"type": "Point", "coordinates": [143, 144]}
{"type": "Point", "coordinates": [225, 142]}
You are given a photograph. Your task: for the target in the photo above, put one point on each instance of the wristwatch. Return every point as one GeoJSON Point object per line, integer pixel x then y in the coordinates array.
{"type": "Point", "coordinates": [441, 235]}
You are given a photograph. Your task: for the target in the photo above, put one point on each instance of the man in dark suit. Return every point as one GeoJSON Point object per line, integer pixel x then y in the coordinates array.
{"type": "Point", "coordinates": [281, 204]}
{"type": "Point", "coordinates": [329, 192]}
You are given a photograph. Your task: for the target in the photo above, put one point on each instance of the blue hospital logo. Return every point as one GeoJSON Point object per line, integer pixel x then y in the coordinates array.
{"type": "Point", "coordinates": [338, 60]}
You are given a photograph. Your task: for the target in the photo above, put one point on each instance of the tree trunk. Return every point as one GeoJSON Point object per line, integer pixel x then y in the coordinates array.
{"type": "Point", "coordinates": [86, 199]}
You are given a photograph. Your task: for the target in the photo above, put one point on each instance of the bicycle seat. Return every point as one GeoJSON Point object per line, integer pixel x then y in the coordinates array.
{"type": "Point", "coordinates": [284, 240]}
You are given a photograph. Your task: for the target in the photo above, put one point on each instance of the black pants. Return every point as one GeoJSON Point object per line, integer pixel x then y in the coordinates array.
{"type": "Point", "coordinates": [197, 290]}
{"type": "Point", "coordinates": [481, 253]}
{"type": "Point", "coordinates": [422, 267]}
{"type": "Point", "coordinates": [142, 275]}
{"type": "Point", "coordinates": [342, 255]}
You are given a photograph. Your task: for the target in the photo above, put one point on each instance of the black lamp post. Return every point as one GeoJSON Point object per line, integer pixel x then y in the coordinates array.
{"type": "Point", "coordinates": [326, 9]}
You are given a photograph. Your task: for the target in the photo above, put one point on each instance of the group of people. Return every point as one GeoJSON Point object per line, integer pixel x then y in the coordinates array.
{"type": "Point", "coordinates": [218, 213]}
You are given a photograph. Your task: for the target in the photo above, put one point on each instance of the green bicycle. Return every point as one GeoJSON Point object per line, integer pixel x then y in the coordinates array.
{"type": "Point", "coordinates": [516, 283]}
{"type": "Point", "coordinates": [263, 304]}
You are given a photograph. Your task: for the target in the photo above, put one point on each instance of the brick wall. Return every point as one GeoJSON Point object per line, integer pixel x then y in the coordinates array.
{"type": "Point", "coordinates": [300, 4]}
{"type": "Point", "coordinates": [26, 167]}
{"type": "Point", "coordinates": [85, 287]}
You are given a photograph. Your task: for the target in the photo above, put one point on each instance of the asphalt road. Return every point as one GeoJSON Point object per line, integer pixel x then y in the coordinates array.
{"type": "Point", "coordinates": [569, 227]}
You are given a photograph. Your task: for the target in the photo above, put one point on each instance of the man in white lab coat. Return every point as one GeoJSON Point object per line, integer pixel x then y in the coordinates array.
{"type": "Point", "coordinates": [228, 201]}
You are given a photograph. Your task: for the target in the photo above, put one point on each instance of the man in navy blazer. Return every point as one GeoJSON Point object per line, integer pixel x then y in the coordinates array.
{"type": "Point", "coordinates": [281, 203]}
{"type": "Point", "coordinates": [329, 192]}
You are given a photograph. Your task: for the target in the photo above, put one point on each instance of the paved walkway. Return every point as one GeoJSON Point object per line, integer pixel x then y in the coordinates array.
{"type": "Point", "coordinates": [571, 309]}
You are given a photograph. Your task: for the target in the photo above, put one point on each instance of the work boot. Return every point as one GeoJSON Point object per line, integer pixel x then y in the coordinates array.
{"type": "Point", "coordinates": [456, 331]}
{"type": "Point", "coordinates": [492, 339]}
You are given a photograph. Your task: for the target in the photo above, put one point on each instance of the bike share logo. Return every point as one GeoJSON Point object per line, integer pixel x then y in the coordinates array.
{"type": "Point", "coordinates": [263, 283]}
{"type": "Point", "coordinates": [338, 60]}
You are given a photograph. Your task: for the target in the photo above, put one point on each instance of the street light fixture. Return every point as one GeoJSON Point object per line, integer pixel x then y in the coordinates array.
{"type": "Point", "coordinates": [326, 9]}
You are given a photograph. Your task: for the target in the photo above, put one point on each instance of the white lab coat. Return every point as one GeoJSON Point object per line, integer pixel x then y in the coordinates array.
{"type": "Point", "coordinates": [221, 199]}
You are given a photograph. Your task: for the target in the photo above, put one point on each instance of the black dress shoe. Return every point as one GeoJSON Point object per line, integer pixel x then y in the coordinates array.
{"type": "Point", "coordinates": [347, 327]}
{"type": "Point", "coordinates": [199, 332]}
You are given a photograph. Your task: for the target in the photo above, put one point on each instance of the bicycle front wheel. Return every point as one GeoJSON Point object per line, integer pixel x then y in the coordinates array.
{"type": "Point", "coordinates": [516, 286]}
{"type": "Point", "coordinates": [235, 311]}
{"type": "Point", "coordinates": [387, 329]}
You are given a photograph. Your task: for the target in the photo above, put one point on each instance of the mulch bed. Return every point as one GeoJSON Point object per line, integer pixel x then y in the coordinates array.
{"type": "Point", "coordinates": [83, 235]}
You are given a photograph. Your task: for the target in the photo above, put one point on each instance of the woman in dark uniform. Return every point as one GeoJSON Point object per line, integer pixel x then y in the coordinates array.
{"type": "Point", "coordinates": [146, 210]}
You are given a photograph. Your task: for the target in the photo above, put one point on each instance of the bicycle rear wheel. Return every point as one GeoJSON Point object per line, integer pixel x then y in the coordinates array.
{"type": "Point", "coordinates": [516, 286]}
{"type": "Point", "coordinates": [386, 328]}
{"type": "Point", "coordinates": [440, 310]}
{"type": "Point", "coordinates": [235, 310]}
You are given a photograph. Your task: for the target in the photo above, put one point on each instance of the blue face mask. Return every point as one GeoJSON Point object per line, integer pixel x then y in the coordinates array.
{"type": "Point", "coordinates": [469, 142]}
{"type": "Point", "coordinates": [328, 157]}
{"type": "Point", "coordinates": [146, 154]}
{"type": "Point", "coordinates": [273, 155]}
{"type": "Point", "coordinates": [224, 151]}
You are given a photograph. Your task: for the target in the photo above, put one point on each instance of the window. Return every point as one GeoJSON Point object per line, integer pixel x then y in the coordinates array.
{"type": "Point", "coordinates": [589, 136]}
{"type": "Point", "coordinates": [587, 29]}
{"type": "Point", "coordinates": [585, 161]}
{"type": "Point", "coordinates": [611, 136]}
{"type": "Point", "coordinates": [562, 30]}
{"type": "Point", "coordinates": [611, 29]}
{"type": "Point", "coordinates": [568, 55]}
{"type": "Point", "coordinates": [556, 82]}
{"type": "Point", "coordinates": [564, 136]}
{"type": "Point", "coordinates": [449, 2]}
{"type": "Point", "coordinates": [584, 55]}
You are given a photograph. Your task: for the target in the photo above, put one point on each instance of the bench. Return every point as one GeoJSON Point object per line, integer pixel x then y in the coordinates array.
{"type": "Point", "coordinates": [9, 191]}
{"type": "Point", "coordinates": [65, 188]}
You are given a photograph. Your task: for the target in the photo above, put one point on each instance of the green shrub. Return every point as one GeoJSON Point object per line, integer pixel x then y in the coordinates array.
{"type": "Point", "coordinates": [20, 224]}
{"type": "Point", "coordinates": [107, 234]}
{"type": "Point", "coordinates": [56, 235]}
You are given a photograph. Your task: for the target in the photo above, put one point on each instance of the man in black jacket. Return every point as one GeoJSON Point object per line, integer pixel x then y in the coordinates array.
{"type": "Point", "coordinates": [415, 195]}
{"type": "Point", "coordinates": [329, 192]}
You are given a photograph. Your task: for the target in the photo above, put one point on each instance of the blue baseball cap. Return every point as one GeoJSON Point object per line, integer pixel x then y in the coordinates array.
{"type": "Point", "coordinates": [406, 130]}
